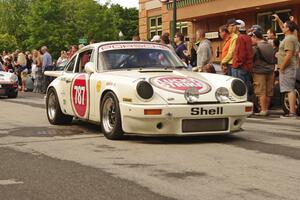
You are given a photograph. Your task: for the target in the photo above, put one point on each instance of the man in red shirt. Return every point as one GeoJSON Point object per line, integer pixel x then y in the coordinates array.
{"type": "Point", "coordinates": [243, 57]}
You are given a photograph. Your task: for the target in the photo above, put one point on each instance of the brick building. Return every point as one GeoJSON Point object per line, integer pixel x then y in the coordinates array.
{"type": "Point", "coordinates": [155, 17]}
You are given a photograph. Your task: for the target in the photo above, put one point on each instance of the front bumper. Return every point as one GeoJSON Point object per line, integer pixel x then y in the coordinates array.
{"type": "Point", "coordinates": [214, 118]}
{"type": "Point", "coordinates": [7, 89]}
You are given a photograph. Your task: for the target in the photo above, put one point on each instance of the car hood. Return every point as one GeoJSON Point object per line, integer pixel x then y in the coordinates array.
{"type": "Point", "coordinates": [5, 77]}
{"type": "Point", "coordinates": [171, 85]}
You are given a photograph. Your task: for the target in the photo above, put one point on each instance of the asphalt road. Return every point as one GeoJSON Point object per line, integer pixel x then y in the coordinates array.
{"type": "Point", "coordinates": [40, 161]}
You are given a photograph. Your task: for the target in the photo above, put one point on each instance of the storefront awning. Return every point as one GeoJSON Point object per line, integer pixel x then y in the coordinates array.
{"type": "Point", "coordinates": [184, 3]}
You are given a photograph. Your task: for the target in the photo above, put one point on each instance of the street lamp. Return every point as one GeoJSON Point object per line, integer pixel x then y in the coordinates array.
{"type": "Point", "coordinates": [174, 15]}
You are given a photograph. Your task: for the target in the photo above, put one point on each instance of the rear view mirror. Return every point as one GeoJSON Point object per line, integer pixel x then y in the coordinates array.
{"type": "Point", "coordinates": [89, 68]}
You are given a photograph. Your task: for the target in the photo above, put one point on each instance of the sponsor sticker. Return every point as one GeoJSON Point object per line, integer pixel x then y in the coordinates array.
{"type": "Point", "coordinates": [79, 95]}
{"type": "Point", "coordinates": [98, 86]}
{"type": "Point", "coordinates": [132, 46]}
{"type": "Point", "coordinates": [179, 84]}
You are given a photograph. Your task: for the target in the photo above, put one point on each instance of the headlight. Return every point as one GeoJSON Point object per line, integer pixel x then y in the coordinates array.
{"type": "Point", "coordinates": [13, 78]}
{"type": "Point", "coordinates": [238, 87]}
{"type": "Point", "coordinates": [144, 90]}
{"type": "Point", "coordinates": [222, 94]}
{"type": "Point", "coordinates": [191, 94]}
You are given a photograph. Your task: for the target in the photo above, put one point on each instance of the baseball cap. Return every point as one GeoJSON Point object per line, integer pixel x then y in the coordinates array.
{"type": "Point", "coordinates": [258, 34]}
{"type": "Point", "coordinates": [241, 25]}
{"type": "Point", "coordinates": [232, 21]}
{"type": "Point", "coordinates": [156, 38]}
{"type": "Point", "coordinates": [256, 27]}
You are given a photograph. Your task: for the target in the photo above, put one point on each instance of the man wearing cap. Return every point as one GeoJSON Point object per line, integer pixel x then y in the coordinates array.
{"type": "Point", "coordinates": [156, 38]}
{"type": "Point", "coordinates": [227, 61]}
{"type": "Point", "coordinates": [263, 69]}
{"type": "Point", "coordinates": [243, 56]}
{"type": "Point", "coordinates": [255, 27]}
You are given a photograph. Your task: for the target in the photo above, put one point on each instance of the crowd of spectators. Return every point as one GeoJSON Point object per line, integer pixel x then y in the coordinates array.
{"type": "Point", "coordinates": [248, 55]}
{"type": "Point", "coordinates": [30, 66]}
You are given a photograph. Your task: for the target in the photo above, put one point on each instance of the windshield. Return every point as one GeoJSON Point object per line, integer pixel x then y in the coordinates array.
{"type": "Point", "coordinates": [139, 58]}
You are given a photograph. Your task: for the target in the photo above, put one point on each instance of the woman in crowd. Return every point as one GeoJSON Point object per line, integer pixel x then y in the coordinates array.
{"type": "Point", "coordinates": [37, 62]}
{"type": "Point", "coordinates": [63, 59]}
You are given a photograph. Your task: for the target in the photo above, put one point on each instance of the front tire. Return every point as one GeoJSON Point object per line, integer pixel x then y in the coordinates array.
{"type": "Point", "coordinates": [111, 117]}
{"type": "Point", "coordinates": [54, 114]}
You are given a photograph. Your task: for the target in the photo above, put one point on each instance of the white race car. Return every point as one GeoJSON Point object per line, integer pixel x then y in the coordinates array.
{"type": "Point", "coordinates": [144, 88]}
{"type": "Point", "coordinates": [8, 84]}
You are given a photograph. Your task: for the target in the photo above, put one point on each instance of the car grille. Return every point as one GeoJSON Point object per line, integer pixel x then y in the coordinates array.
{"type": "Point", "coordinates": [3, 86]}
{"type": "Point", "coordinates": [204, 125]}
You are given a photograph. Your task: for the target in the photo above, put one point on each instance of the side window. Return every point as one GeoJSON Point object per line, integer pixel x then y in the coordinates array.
{"type": "Point", "coordinates": [84, 58]}
{"type": "Point", "coordinates": [71, 65]}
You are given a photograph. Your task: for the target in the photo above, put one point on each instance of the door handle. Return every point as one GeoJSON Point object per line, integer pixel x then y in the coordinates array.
{"type": "Point", "coordinates": [68, 81]}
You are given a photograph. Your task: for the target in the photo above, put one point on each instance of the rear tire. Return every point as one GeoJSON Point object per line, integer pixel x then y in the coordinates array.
{"type": "Point", "coordinates": [111, 117]}
{"type": "Point", "coordinates": [54, 114]}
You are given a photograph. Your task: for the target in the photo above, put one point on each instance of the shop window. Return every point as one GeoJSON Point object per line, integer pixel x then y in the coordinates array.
{"type": "Point", "coordinates": [159, 32]}
{"type": "Point", "coordinates": [182, 27]}
{"type": "Point", "coordinates": [265, 20]}
{"type": "Point", "coordinates": [152, 33]}
{"type": "Point", "coordinates": [155, 26]}
{"type": "Point", "coordinates": [159, 21]}
{"type": "Point", "coordinates": [153, 22]}
{"type": "Point", "coordinates": [184, 30]}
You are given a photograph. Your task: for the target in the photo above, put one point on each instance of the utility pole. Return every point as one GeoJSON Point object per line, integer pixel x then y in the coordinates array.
{"type": "Point", "coordinates": [174, 18]}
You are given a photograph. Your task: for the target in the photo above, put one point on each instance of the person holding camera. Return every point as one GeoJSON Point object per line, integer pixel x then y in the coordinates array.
{"type": "Point", "coordinates": [287, 63]}
{"type": "Point", "coordinates": [180, 47]}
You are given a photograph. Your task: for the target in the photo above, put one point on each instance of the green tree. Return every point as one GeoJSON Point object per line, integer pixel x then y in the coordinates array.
{"type": "Point", "coordinates": [126, 20]}
{"type": "Point", "coordinates": [88, 19]}
{"type": "Point", "coordinates": [61, 23]}
{"type": "Point", "coordinates": [44, 25]}
{"type": "Point", "coordinates": [12, 18]}
{"type": "Point", "coordinates": [7, 42]}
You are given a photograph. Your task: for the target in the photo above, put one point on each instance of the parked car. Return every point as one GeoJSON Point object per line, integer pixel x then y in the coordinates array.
{"type": "Point", "coordinates": [8, 84]}
{"type": "Point", "coordinates": [144, 88]}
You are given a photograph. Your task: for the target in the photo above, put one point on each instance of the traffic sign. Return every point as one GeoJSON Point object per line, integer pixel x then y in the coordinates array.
{"type": "Point", "coordinates": [82, 41]}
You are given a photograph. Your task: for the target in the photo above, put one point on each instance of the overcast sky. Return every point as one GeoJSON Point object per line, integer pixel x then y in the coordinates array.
{"type": "Point", "coordinates": [125, 3]}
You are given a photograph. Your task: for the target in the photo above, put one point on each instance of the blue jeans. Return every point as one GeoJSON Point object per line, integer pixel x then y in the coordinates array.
{"type": "Point", "coordinates": [229, 67]}
{"type": "Point", "coordinates": [245, 76]}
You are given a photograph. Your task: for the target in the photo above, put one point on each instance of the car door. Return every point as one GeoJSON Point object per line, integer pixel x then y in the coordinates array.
{"type": "Point", "coordinates": [65, 84]}
{"type": "Point", "coordinates": [79, 88]}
